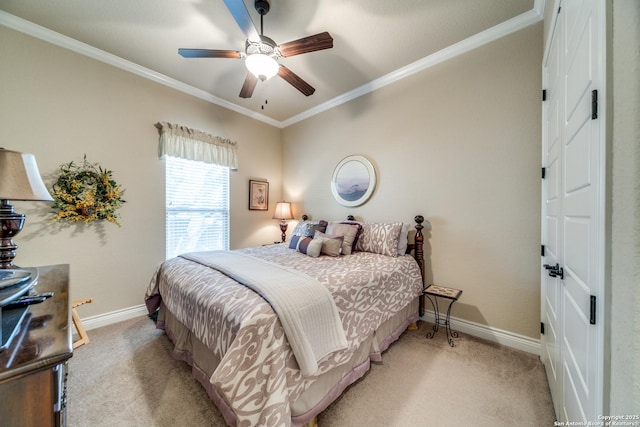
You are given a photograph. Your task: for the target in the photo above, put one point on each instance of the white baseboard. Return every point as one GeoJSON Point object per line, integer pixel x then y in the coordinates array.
{"type": "Point", "coordinates": [106, 319]}
{"type": "Point", "coordinates": [488, 333]}
{"type": "Point", "coordinates": [509, 339]}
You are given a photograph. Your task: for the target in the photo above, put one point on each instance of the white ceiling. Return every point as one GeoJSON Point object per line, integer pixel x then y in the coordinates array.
{"type": "Point", "coordinates": [375, 42]}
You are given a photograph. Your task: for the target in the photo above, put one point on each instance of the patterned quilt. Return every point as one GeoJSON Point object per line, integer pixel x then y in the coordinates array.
{"type": "Point", "coordinates": [258, 376]}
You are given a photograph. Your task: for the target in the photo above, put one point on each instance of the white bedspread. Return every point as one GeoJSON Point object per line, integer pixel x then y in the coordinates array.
{"type": "Point", "coordinates": [305, 307]}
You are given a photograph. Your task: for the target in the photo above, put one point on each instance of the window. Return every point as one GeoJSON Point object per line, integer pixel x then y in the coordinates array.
{"type": "Point", "coordinates": [197, 206]}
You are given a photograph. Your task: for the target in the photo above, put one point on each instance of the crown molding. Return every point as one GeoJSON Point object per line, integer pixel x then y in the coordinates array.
{"type": "Point", "coordinates": [538, 7]}
{"type": "Point", "coordinates": [49, 36]}
{"type": "Point", "coordinates": [498, 31]}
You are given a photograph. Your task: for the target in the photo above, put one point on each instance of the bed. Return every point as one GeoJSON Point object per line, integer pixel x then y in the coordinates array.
{"type": "Point", "coordinates": [241, 344]}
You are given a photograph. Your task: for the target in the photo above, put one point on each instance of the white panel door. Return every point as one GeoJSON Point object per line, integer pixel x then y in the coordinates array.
{"type": "Point", "coordinates": [583, 211]}
{"type": "Point", "coordinates": [573, 232]}
{"type": "Point", "coordinates": [551, 218]}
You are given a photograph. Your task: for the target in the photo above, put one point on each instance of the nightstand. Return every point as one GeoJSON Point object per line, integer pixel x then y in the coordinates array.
{"type": "Point", "coordinates": [442, 292]}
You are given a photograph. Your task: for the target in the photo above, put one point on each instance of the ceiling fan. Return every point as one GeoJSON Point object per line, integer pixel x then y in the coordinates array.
{"type": "Point", "coordinates": [262, 53]}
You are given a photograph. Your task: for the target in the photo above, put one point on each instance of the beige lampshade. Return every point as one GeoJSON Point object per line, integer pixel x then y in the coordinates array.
{"type": "Point", "coordinates": [20, 178]}
{"type": "Point", "coordinates": [283, 211]}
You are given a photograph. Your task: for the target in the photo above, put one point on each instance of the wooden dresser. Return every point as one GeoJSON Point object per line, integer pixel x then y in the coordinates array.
{"type": "Point", "coordinates": [33, 369]}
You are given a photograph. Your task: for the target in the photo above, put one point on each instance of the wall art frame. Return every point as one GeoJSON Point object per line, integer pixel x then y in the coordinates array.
{"type": "Point", "coordinates": [258, 195]}
{"type": "Point", "coordinates": [353, 181]}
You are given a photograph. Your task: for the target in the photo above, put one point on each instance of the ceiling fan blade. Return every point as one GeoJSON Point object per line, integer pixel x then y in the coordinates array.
{"type": "Point", "coordinates": [307, 44]}
{"type": "Point", "coordinates": [243, 19]}
{"type": "Point", "coordinates": [294, 80]}
{"type": "Point", "coordinates": [248, 86]}
{"type": "Point", "coordinates": [210, 53]}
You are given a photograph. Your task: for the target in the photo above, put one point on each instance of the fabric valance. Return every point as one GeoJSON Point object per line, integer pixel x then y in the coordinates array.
{"type": "Point", "coordinates": [180, 141]}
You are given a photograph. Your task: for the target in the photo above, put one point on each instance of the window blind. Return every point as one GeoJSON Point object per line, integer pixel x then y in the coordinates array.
{"type": "Point", "coordinates": [197, 206]}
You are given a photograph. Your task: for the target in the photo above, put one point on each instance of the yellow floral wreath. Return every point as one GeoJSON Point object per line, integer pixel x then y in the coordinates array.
{"type": "Point", "coordinates": [86, 193]}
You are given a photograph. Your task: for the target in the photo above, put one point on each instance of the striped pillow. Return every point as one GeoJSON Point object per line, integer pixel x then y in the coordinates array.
{"type": "Point", "coordinates": [309, 246]}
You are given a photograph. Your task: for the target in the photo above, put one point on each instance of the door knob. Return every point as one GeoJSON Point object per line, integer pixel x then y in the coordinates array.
{"type": "Point", "coordinates": [555, 270]}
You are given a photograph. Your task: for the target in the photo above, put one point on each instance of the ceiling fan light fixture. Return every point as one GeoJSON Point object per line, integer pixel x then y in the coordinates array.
{"type": "Point", "coordinates": [261, 53]}
{"type": "Point", "coordinates": [262, 66]}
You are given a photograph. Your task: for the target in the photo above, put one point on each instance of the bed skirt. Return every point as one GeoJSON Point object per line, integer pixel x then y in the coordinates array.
{"type": "Point", "coordinates": [320, 394]}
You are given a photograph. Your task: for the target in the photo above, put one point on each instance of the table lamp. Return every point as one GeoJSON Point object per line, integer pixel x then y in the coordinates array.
{"type": "Point", "coordinates": [19, 180]}
{"type": "Point", "coordinates": [283, 213]}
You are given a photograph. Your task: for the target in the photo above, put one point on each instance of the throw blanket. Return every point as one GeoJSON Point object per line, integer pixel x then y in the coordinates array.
{"type": "Point", "coordinates": [305, 307]}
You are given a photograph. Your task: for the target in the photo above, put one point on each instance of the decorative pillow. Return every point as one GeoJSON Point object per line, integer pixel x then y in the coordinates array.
{"type": "Point", "coordinates": [359, 225]}
{"type": "Point", "coordinates": [331, 245]}
{"type": "Point", "coordinates": [293, 243]}
{"type": "Point", "coordinates": [348, 231]}
{"type": "Point", "coordinates": [309, 246]}
{"type": "Point", "coordinates": [380, 238]}
{"type": "Point", "coordinates": [298, 230]}
{"type": "Point", "coordinates": [308, 228]}
{"type": "Point", "coordinates": [404, 239]}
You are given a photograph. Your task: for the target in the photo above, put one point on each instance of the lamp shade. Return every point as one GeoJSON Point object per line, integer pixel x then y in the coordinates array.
{"type": "Point", "coordinates": [20, 178]}
{"type": "Point", "coordinates": [283, 211]}
{"type": "Point", "coordinates": [262, 66]}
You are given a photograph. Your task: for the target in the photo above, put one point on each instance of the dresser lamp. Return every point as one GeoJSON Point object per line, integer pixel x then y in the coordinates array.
{"type": "Point", "coordinates": [19, 180]}
{"type": "Point", "coordinates": [283, 213]}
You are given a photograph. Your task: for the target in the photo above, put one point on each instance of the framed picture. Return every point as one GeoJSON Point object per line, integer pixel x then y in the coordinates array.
{"type": "Point", "coordinates": [258, 195]}
{"type": "Point", "coordinates": [353, 181]}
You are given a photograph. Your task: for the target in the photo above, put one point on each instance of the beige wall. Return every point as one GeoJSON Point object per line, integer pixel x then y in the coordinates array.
{"type": "Point", "coordinates": [59, 106]}
{"type": "Point", "coordinates": [460, 144]}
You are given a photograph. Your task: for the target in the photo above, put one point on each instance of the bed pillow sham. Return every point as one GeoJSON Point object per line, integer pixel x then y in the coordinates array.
{"type": "Point", "coordinates": [380, 238]}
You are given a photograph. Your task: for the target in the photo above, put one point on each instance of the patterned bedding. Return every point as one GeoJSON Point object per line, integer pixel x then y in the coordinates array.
{"type": "Point", "coordinates": [258, 377]}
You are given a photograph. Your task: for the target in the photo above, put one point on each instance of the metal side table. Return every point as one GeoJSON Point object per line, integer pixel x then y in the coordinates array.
{"type": "Point", "coordinates": [447, 293]}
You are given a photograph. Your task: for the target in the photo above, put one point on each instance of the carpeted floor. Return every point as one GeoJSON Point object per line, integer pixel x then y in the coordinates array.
{"type": "Point", "coordinates": [126, 377]}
